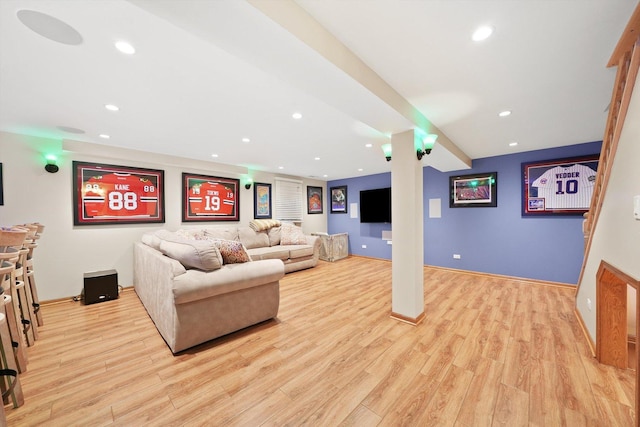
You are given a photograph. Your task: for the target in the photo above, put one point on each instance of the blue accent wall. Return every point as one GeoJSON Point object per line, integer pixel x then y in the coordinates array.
{"type": "Point", "coordinates": [490, 240]}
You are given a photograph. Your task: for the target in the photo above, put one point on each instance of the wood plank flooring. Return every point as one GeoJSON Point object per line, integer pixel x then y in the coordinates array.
{"type": "Point", "coordinates": [491, 352]}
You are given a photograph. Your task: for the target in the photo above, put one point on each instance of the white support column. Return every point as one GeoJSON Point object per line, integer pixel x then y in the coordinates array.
{"type": "Point", "coordinates": [407, 296]}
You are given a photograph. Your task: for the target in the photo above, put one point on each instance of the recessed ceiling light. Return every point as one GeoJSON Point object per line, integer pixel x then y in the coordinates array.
{"type": "Point", "coordinates": [482, 33]}
{"type": "Point", "coordinates": [513, 144]}
{"type": "Point", "coordinates": [111, 107]}
{"type": "Point", "coordinates": [125, 47]}
{"type": "Point", "coordinates": [368, 145]}
{"type": "Point", "coordinates": [50, 27]}
{"type": "Point", "coordinates": [360, 169]}
{"type": "Point", "coordinates": [504, 113]}
{"type": "Point", "coordinates": [104, 136]}
{"type": "Point", "coordinates": [316, 158]}
{"type": "Point", "coordinates": [325, 175]}
{"type": "Point", "coordinates": [71, 130]}
{"type": "Point", "coordinates": [280, 167]}
{"type": "Point", "coordinates": [246, 140]}
{"type": "Point", "coordinates": [297, 116]}
{"type": "Point", "coordinates": [214, 156]}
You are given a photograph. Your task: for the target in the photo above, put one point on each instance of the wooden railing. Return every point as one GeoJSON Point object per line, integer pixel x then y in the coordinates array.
{"type": "Point", "coordinates": [626, 57]}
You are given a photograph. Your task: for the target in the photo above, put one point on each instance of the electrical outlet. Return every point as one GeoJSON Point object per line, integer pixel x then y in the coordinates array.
{"type": "Point", "coordinates": [364, 246]}
{"type": "Point", "coordinates": [456, 256]}
{"type": "Point", "coordinates": [589, 303]}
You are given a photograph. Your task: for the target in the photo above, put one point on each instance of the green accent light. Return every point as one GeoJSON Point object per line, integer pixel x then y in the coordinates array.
{"type": "Point", "coordinates": [429, 141]}
{"type": "Point", "coordinates": [51, 157]}
{"type": "Point", "coordinates": [386, 149]}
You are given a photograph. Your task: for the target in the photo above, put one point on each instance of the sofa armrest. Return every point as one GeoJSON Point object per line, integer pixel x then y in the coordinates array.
{"type": "Point", "coordinates": [315, 242]}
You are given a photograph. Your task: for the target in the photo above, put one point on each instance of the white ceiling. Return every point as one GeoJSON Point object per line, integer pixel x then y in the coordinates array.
{"type": "Point", "coordinates": [208, 73]}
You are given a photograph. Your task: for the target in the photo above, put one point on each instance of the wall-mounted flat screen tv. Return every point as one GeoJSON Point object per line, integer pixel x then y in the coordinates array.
{"type": "Point", "coordinates": [375, 205]}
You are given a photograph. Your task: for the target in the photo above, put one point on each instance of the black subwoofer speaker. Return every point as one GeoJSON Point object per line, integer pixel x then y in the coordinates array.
{"type": "Point", "coordinates": [100, 286]}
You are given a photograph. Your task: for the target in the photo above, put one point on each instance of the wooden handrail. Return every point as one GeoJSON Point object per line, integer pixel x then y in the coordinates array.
{"type": "Point", "coordinates": [627, 58]}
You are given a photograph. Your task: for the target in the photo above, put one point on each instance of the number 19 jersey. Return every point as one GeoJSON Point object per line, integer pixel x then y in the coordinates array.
{"type": "Point", "coordinates": [211, 198]}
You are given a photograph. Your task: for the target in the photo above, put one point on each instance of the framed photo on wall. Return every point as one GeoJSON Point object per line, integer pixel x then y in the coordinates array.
{"type": "Point", "coordinates": [1, 187]}
{"type": "Point", "coordinates": [261, 201]}
{"type": "Point", "coordinates": [338, 199]}
{"type": "Point", "coordinates": [209, 198]}
{"type": "Point", "coordinates": [558, 187]}
{"type": "Point", "coordinates": [110, 194]}
{"type": "Point", "coordinates": [314, 200]}
{"type": "Point", "coordinates": [474, 190]}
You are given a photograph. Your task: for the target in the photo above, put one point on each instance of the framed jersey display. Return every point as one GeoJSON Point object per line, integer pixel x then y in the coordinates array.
{"type": "Point", "coordinates": [209, 198]}
{"type": "Point", "coordinates": [109, 194]}
{"type": "Point", "coordinates": [558, 187]}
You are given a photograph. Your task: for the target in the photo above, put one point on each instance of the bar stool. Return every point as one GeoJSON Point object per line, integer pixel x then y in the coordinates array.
{"type": "Point", "coordinates": [25, 307]}
{"type": "Point", "coordinates": [24, 272]}
{"type": "Point", "coordinates": [11, 241]}
{"type": "Point", "coordinates": [9, 379]}
{"type": "Point", "coordinates": [31, 277]}
{"type": "Point", "coordinates": [6, 309]}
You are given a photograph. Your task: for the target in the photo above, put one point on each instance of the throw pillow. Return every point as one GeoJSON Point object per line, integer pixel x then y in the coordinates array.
{"type": "Point", "coordinates": [253, 239]}
{"type": "Point", "coordinates": [232, 252]}
{"type": "Point", "coordinates": [292, 235]}
{"type": "Point", "coordinates": [202, 255]}
{"type": "Point", "coordinates": [274, 236]}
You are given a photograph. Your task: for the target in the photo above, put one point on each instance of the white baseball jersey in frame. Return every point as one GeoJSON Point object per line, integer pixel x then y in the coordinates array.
{"type": "Point", "coordinates": [567, 188]}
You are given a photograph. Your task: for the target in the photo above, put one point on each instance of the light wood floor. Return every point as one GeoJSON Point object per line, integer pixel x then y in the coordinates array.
{"type": "Point", "coordinates": [490, 352]}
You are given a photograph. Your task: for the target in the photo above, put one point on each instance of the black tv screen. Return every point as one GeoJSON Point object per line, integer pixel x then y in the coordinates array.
{"type": "Point", "coordinates": [375, 205]}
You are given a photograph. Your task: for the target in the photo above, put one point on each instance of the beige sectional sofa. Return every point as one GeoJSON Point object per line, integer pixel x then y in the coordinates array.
{"type": "Point", "coordinates": [200, 284]}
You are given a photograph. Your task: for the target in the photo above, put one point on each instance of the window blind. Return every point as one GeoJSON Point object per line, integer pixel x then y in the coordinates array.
{"type": "Point", "coordinates": [288, 206]}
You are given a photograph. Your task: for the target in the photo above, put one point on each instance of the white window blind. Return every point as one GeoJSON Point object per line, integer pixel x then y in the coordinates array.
{"type": "Point", "coordinates": [289, 199]}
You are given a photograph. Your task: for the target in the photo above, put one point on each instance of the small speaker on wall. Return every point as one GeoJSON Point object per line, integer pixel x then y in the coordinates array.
{"type": "Point", "coordinates": [100, 286]}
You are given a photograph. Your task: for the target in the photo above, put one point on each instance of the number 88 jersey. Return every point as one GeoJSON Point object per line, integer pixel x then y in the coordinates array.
{"type": "Point", "coordinates": [119, 195]}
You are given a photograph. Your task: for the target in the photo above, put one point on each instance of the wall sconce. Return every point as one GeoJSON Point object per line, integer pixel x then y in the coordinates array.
{"type": "Point", "coordinates": [248, 183]}
{"type": "Point", "coordinates": [51, 165]}
{"type": "Point", "coordinates": [427, 145]}
{"type": "Point", "coordinates": [386, 149]}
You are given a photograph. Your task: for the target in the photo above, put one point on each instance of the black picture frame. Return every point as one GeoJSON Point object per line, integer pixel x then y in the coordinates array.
{"type": "Point", "coordinates": [338, 199]}
{"type": "Point", "coordinates": [314, 200]}
{"type": "Point", "coordinates": [478, 190]}
{"type": "Point", "coordinates": [559, 186]}
{"type": "Point", "coordinates": [262, 200]}
{"type": "Point", "coordinates": [113, 194]}
{"type": "Point", "coordinates": [1, 187]}
{"type": "Point", "coordinates": [209, 198]}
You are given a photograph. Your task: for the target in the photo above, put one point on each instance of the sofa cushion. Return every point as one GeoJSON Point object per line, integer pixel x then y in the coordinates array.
{"type": "Point", "coordinates": [232, 252]}
{"type": "Point", "coordinates": [196, 285]}
{"type": "Point", "coordinates": [253, 239]}
{"type": "Point", "coordinates": [192, 234]}
{"type": "Point", "coordinates": [225, 233]}
{"type": "Point", "coordinates": [292, 235]}
{"type": "Point", "coordinates": [199, 254]}
{"type": "Point", "coordinates": [274, 236]}
{"type": "Point", "coordinates": [299, 251]}
{"type": "Point", "coordinates": [269, 253]}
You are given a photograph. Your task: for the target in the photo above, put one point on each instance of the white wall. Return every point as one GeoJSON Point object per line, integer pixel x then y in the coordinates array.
{"type": "Point", "coordinates": [617, 234]}
{"type": "Point", "coordinates": [65, 251]}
